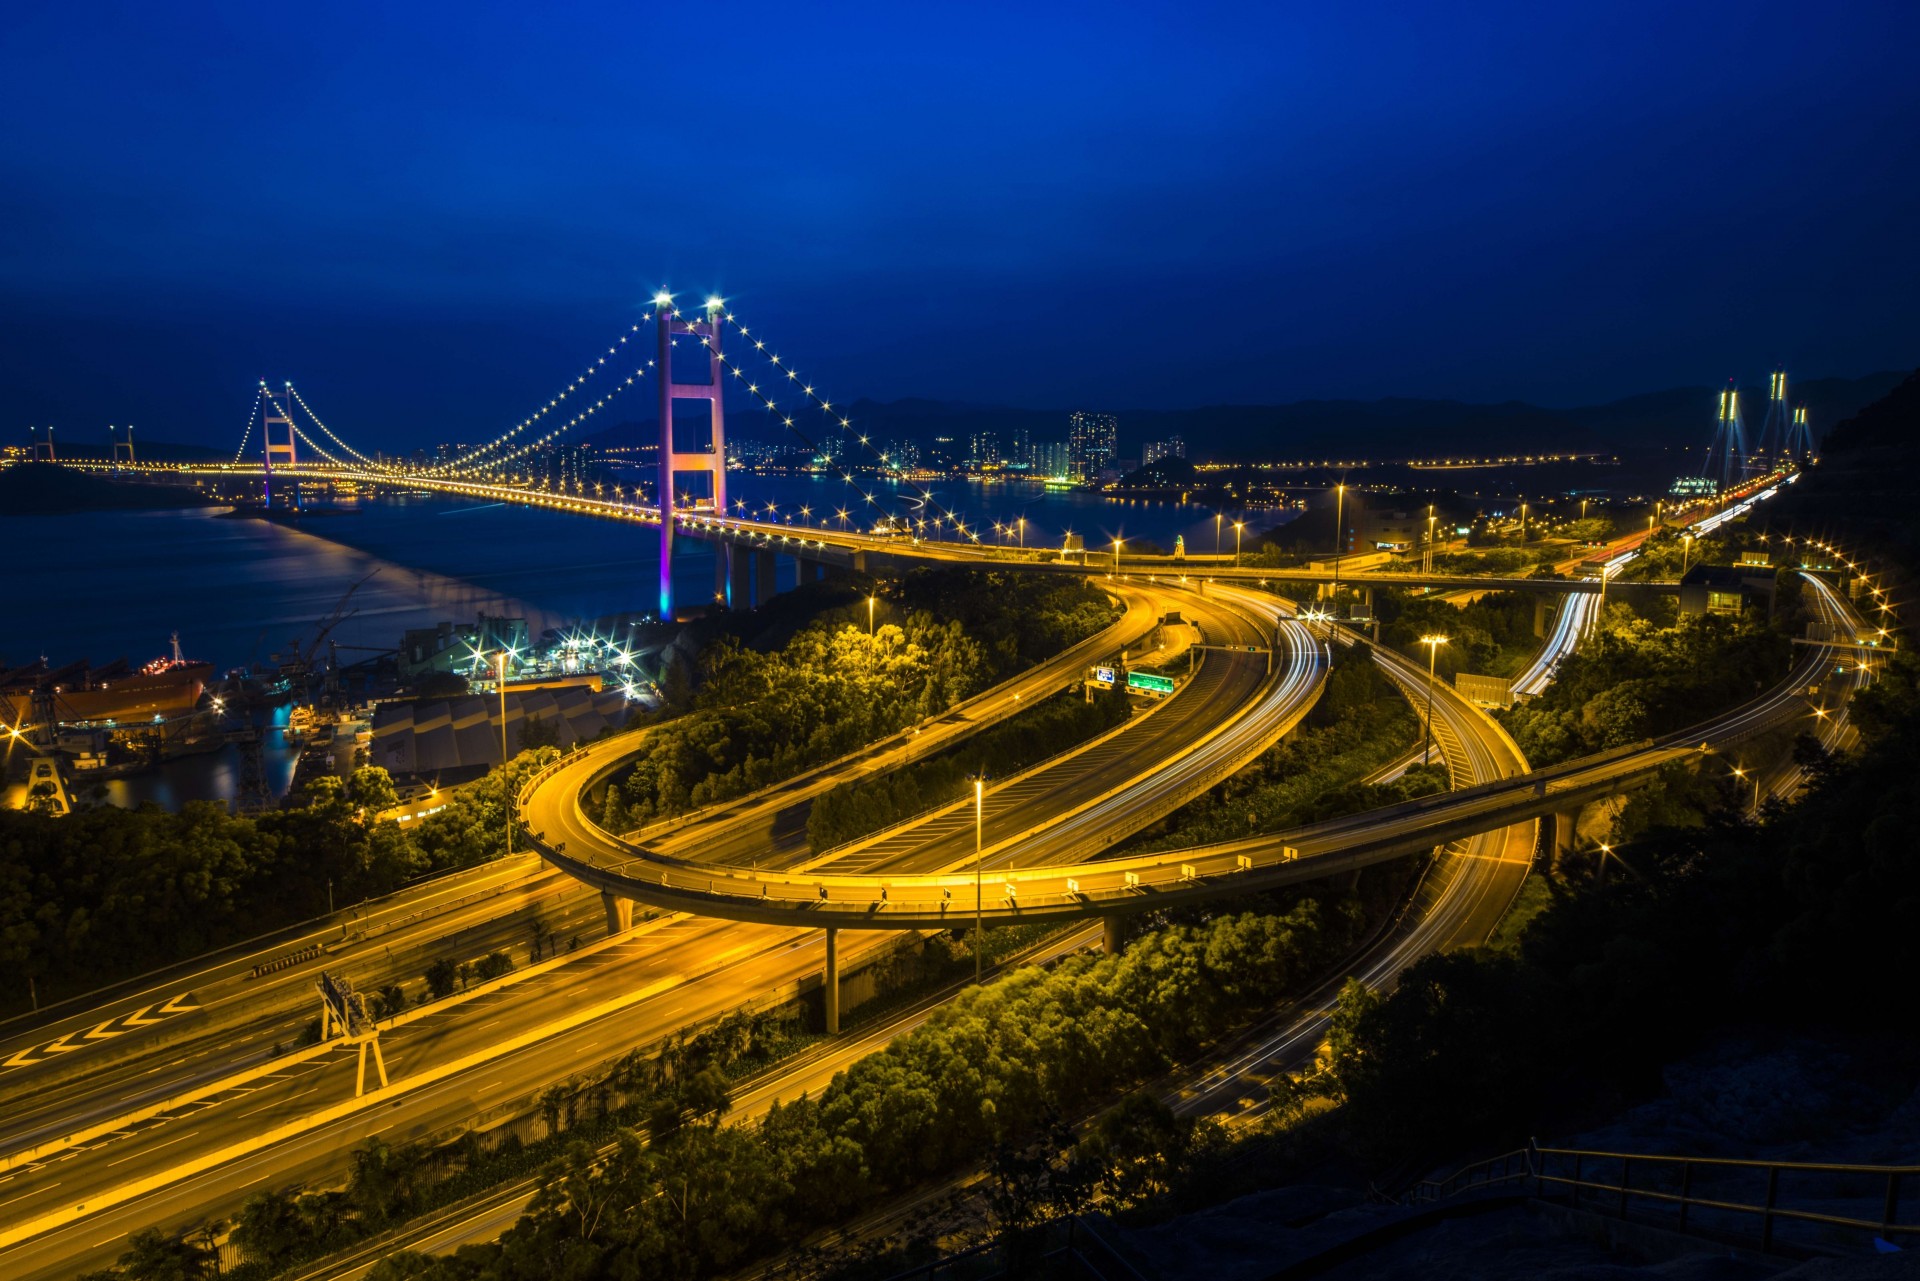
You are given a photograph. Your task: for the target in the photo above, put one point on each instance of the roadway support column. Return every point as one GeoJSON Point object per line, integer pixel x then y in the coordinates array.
{"type": "Point", "coordinates": [739, 577]}
{"type": "Point", "coordinates": [1565, 824]}
{"type": "Point", "coordinates": [765, 577]}
{"type": "Point", "coordinates": [1540, 615]}
{"type": "Point", "coordinates": [831, 988]}
{"type": "Point", "coordinates": [619, 912]}
{"type": "Point", "coordinates": [1113, 938]}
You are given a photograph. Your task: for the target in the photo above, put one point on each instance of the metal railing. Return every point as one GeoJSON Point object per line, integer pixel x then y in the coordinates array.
{"type": "Point", "coordinates": [1700, 1195]}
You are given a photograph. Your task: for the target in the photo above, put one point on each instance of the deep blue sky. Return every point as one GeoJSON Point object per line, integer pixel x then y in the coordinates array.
{"type": "Point", "coordinates": [430, 216]}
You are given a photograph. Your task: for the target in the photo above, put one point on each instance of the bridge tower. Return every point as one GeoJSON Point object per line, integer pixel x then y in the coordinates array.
{"type": "Point", "coordinates": [712, 461]}
{"type": "Point", "coordinates": [1800, 437]}
{"type": "Point", "coordinates": [41, 439]}
{"type": "Point", "coordinates": [1776, 431]}
{"type": "Point", "coordinates": [1726, 460]}
{"type": "Point", "coordinates": [122, 440]}
{"type": "Point", "coordinates": [278, 413]}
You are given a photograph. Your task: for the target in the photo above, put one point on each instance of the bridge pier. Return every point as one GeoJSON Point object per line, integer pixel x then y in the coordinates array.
{"type": "Point", "coordinates": [811, 571]}
{"type": "Point", "coordinates": [1540, 617]}
{"type": "Point", "coordinates": [619, 913]}
{"type": "Point", "coordinates": [739, 577]}
{"type": "Point", "coordinates": [1113, 934]}
{"type": "Point", "coordinates": [766, 570]}
{"type": "Point", "coordinates": [831, 987]}
{"type": "Point", "coordinates": [1566, 826]}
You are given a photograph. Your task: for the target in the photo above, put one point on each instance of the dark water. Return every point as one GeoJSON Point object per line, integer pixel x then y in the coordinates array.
{"type": "Point", "coordinates": [106, 585]}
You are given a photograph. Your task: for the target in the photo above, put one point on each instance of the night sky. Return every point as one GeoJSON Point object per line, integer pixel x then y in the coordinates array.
{"type": "Point", "coordinates": [430, 216]}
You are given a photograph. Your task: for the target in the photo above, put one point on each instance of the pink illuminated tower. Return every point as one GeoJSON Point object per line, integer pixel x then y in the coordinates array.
{"type": "Point", "coordinates": [712, 459]}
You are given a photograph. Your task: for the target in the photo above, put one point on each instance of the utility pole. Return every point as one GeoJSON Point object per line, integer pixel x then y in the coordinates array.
{"type": "Point", "coordinates": [1433, 644]}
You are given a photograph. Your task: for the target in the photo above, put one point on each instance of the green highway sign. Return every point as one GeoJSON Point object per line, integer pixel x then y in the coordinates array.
{"type": "Point", "coordinates": [1148, 683]}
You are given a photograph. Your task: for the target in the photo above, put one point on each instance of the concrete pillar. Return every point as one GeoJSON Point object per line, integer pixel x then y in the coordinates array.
{"type": "Point", "coordinates": [1366, 600]}
{"type": "Point", "coordinates": [722, 568]}
{"type": "Point", "coordinates": [1540, 615]}
{"type": "Point", "coordinates": [619, 912]}
{"type": "Point", "coordinates": [831, 988]}
{"type": "Point", "coordinates": [765, 567]}
{"type": "Point", "coordinates": [739, 577]}
{"type": "Point", "coordinates": [1565, 824]}
{"type": "Point", "coordinates": [1113, 940]}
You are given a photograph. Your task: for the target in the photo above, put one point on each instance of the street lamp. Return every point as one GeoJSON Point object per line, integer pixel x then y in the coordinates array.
{"type": "Point", "coordinates": [979, 804]}
{"type": "Point", "coordinates": [1021, 525]}
{"type": "Point", "coordinates": [1339, 530]}
{"type": "Point", "coordinates": [1738, 772]}
{"type": "Point", "coordinates": [870, 618]}
{"type": "Point", "coordinates": [1686, 549]}
{"type": "Point", "coordinates": [1433, 644]}
{"type": "Point", "coordinates": [1238, 525]}
{"type": "Point", "coordinates": [1216, 533]}
{"type": "Point", "coordinates": [1116, 555]}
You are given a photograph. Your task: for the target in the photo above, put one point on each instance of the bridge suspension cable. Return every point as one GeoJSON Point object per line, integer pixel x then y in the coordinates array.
{"type": "Point", "coordinates": [472, 458]}
{"type": "Point", "coordinates": [502, 460]}
{"type": "Point", "coordinates": [252, 415]}
{"type": "Point", "coordinates": [835, 420]}
{"type": "Point", "coordinates": [301, 401]}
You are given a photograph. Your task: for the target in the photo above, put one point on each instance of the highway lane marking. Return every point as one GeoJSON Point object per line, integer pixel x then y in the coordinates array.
{"type": "Point", "coordinates": [119, 1025]}
{"type": "Point", "coordinates": [156, 1147]}
{"type": "Point", "coordinates": [24, 1195]}
{"type": "Point", "coordinates": [290, 1098]}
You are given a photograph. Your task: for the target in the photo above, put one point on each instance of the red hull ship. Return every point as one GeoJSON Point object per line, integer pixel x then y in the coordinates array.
{"type": "Point", "coordinates": [80, 692]}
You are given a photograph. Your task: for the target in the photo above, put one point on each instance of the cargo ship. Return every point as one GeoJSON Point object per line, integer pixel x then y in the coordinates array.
{"type": "Point", "coordinates": [80, 693]}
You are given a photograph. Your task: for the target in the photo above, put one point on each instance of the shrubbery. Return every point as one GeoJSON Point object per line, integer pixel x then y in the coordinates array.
{"type": "Point", "coordinates": [1631, 680]}
{"type": "Point", "coordinates": [990, 1071]}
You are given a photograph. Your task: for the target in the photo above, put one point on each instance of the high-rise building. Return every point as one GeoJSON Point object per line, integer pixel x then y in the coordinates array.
{"type": "Point", "coordinates": [1051, 458]}
{"type": "Point", "coordinates": [985, 451]}
{"type": "Point", "coordinates": [1092, 441]}
{"type": "Point", "coordinates": [1154, 450]}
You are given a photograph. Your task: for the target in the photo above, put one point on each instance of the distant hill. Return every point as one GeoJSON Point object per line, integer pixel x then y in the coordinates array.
{"type": "Point", "coordinates": [1315, 429]}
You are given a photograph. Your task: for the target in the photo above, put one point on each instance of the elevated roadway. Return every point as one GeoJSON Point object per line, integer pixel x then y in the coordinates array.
{"type": "Point", "coordinates": [1041, 885]}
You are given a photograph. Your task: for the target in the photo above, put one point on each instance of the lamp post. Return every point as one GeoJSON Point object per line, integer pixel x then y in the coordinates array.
{"type": "Point", "coordinates": [1739, 772]}
{"type": "Point", "coordinates": [1238, 525]}
{"type": "Point", "coordinates": [1116, 555]}
{"type": "Point", "coordinates": [1686, 549]}
{"type": "Point", "coordinates": [1431, 520]}
{"type": "Point", "coordinates": [1216, 534]}
{"type": "Point", "coordinates": [1433, 644]}
{"type": "Point", "coordinates": [1339, 531]}
{"type": "Point", "coordinates": [979, 938]}
{"type": "Point", "coordinates": [506, 800]}
{"type": "Point", "coordinates": [1021, 525]}
{"type": "Point", "coordinates": [869, 618]}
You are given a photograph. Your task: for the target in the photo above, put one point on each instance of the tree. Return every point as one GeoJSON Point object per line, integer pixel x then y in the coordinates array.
{"type": "Point", "coordinates": [155, 1256]}
{"type": "Point", "coordinates": [492, 966]}
{"type": "Point", "coordinates": [272, 1229]}
{"type": "Point", "coordinates": [441, 976]}
{"type": "Point", "coordinates": [371, 788]}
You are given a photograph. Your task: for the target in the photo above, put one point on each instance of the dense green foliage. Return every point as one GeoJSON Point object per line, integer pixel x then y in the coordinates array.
{"type": "Point", "coordinates": [1360, 724]}
{"type": "Point", "coordinates": [1710, 926]}
{"type": "Point", "coordinates": [988, 1071]}
{"type": "Point", "coordinates": [752, 718]}
{"type": "Point", "coordinates": [1491, 636]}
{"type": "Point", "coordinates": [107, 892]}
{"type": "Point", "coordinates": [854, 809]}
{"type": "Point", "coordinates": [1632, 679]}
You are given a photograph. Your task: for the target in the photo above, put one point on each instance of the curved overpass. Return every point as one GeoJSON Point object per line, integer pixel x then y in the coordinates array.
{"type": "Point", "coordinates": [1029, 879]}
{"type": "Point", "coordinates": [1246, 694]}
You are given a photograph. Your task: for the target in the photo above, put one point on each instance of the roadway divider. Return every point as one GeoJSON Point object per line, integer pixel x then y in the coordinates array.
{"type": "Point", "coordinates": [279, 963]}
{"type": "Point", "coordinates": [13, 1233]}
{"type": "Point", "coordinates": [245, 1076]}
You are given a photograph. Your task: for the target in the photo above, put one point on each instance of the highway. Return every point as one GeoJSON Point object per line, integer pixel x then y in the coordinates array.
{"type": "Point", "coordinates": [453, 1062]}
{"type": "Point", "coordinates": [241, 1018]}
